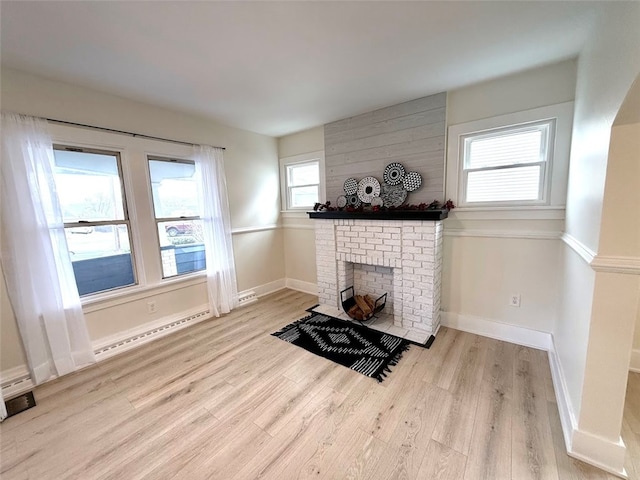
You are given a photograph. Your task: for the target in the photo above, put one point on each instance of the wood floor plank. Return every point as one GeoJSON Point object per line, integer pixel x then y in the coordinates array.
{"type": "Point", "coordinates": [224, 399]}
{"type": "Point", "coordinates": [356, 458]}
{"type": "Point", "coordinates": [533, 455]}
{"type": "Point", "coordinates": [490, 451]}
{"type": "Point", "coordinates": [296, 444]}
{"type": "Point", "coordinates": [632, 402]}
{"type": "Point", "coordinates": [442, 463]}
{"type": "Point", "coordinates": [455, 423]}
{"type": "Point", "coordinates": [444, 355]}
{"type": "Point", "coordinates": [410, 439]}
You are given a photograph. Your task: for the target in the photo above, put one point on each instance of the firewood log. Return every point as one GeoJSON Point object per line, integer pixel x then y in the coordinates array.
{"type": "Point", "coordinates": [366, 310]}
{"type": "Point", "coordinates": [370, 301]}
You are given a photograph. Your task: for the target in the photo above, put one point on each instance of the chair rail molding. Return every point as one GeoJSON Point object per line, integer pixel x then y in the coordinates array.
{"type": "Point", "coordinates": [580, 248]}
{"type": "Point", "coordinates": [614, 264]}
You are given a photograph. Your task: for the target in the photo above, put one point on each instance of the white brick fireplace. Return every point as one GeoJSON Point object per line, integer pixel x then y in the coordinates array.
{"type": "Point", "coordinates": [400, 257]}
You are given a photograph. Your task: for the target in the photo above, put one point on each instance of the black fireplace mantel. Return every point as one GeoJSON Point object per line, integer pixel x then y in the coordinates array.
{"type": "Point", "coordinates": [432, 215]}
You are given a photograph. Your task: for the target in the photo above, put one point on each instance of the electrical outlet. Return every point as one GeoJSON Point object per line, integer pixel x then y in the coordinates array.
{"type": "Point", "coordinates": [151, 307]}
{"type": "Point", "coordinates": [514, 300]}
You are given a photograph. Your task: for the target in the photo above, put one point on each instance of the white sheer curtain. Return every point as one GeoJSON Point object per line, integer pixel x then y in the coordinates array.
{"type": "Point", "coordinates": [34, 253]}
{"type": "Point", "coordinates": [214, 205]}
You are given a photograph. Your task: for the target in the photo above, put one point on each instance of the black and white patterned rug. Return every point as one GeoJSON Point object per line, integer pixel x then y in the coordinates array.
{"type": "Point", "coordinates": [366, 351]}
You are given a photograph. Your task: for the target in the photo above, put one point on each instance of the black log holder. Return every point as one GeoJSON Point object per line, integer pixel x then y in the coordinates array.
{"type": "Point", "coordinates": [348, 300]}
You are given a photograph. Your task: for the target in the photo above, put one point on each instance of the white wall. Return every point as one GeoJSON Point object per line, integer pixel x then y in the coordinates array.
{"type": "Point", "coordinates": [307, 141]}
{"type": "Point", "coordinates": [506, 253]}
{"type": "Point", "coordinates": [594, 328]}
{"type": "Point", "coordinates": [546, 85]}
{"type": "Point", "coordinates": [299, 236]}
{"type": "Point", "coordinates": [251, 166]}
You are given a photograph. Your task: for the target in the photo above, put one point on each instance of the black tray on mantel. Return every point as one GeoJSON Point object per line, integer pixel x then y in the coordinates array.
{"type": "Point", "coordinates": [432, 215]}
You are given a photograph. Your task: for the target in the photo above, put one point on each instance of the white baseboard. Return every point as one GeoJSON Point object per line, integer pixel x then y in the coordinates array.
{"type": "Point", "coordinates": [292, 283]}
{"type": "Point", "coordinates": [270, 287]}
{"type": "Point", "coordinates": [301, 286]}
{"type": "Point", "coordinates": [15, 381]}
{"type": "Point", "coordinates": [592, 449]}
{"type": "Point", "coordinates": [599, 452]}
{"type": "Point", "coordinates": [498, 330]}
{"type": "Point", "coordinates": [124, 341]}
{"type": "Point", "coordinates": [565, 409]}
{"type": "Point", "coordinates": [634, 366]}
{"type": "Point", "coordinates": [247, 297]}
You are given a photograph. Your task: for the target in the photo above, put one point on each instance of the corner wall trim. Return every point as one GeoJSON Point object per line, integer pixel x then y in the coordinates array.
{"type": "Point", "coordinates": [580, 248]}
{"type": "Point", "coordinates": [592, 449]}
{"type": "Point", "coordinates": [634, 366]}
{"type": "Point", "coordinates": [498, 330]}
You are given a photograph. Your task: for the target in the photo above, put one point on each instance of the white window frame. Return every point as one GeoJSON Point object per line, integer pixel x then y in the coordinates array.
{"type": "Point", "coordinates": [159, 220]}
{"type": "Point", "coordinates": [547, 127]}
{"type": "Point", "coordinates": [133, 153]}
{"type": "Point", "coordinates": [66, 146]}
{"type": "Point", "coordinates": [554, 180]}
{"type": "Point", "coordinates": [285, 189]}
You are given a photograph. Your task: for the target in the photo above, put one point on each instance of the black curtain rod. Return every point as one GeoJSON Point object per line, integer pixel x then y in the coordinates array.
{"type": "Point", "coordinates": [122, 132]}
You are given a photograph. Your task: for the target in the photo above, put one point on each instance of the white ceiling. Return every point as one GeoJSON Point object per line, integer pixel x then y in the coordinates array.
{"type": "Point", "coordinates": [280, 67]}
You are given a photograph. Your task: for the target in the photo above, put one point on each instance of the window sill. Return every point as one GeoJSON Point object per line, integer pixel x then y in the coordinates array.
{"type": "Point", "coordinates": [132, 294]}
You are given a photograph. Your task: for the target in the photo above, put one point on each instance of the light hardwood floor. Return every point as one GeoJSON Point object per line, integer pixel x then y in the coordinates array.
{"type": "Point", "coordinates": [225, 400]}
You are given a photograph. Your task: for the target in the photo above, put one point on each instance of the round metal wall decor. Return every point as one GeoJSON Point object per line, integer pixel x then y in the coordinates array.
{"type": "Point", "coordinates": [393, 174]}
{"type": "Point", "coordinates": [412, 181]}
{"type": "Point", "coordinates": [350, 186]}
{"type": "Point", "coordinates": [393, 195]}
{"type": "Point", "coordinates": [368, 189]}
{"type": "Point", "coordinates": [342, 201]}
{"type": "Point", "coordinates": [353, 201]}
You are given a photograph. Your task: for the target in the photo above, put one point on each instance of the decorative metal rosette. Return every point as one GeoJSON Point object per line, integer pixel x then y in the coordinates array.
{"type": "Point", "coordinates": [350, 186]}
{"type": "Point", "coordinates": [368, 188]}
{"type": "Point", "coordinates": [412, 181]}
{"type": "Point", "coordinates": [393, 174]}
{"type": "Point", "coordinates": [342, 201]}
{"type": "Point", "coordinates": [393, 195]}
{"type": "Point", "coordinates": [353, 201]}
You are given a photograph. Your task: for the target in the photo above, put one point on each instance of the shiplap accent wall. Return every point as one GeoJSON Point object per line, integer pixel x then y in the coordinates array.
{"type": "Point", "coordinates": [412, 133]}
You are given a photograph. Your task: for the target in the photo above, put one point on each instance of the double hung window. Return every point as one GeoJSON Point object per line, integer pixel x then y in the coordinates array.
{"type": "Point", "coordinates": [303, 184]}
{"type": "Point", "coordinates": [507, 165]}
{"type": "Point", "coordinates": [176, 207]}
{"type": "Point", "coordinates": [302, 181]}
{"type": "Point", "coordinates": [96, 221]}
